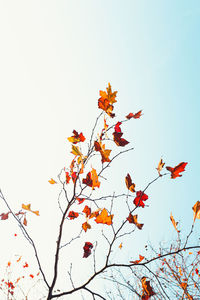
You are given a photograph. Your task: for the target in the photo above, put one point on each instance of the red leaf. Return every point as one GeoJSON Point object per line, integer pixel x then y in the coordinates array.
{"type": "Point", "coordinates": [177, 169]}
{"type": "Point", "coordinates": [140, 197]}
{"type": "Point", "coordinates": [74, 176]}
{"type": "Point", "coordinates": [4, 216]}
{"type": "Point", "coordinates": [76, 138]}
{"type": "Point", "coordinates": [88, 179]}
{"type": "Point", "coordinates": [87, 249]}
{"type": "Point", "coordinates": [137, 261]}
{"type": "Point", "coordinates": [26, 265]}
{"type": "Point", "coordinates": [135, 116]}
{"type": "Point", "coordinates": [80, 200]}
{"type": "Point", "coordinates": [73, 215]}
{"type": "Point", "coordinates": [119, 141]}
{"type": "Point", "coordinates": [87, 211]}
{"type": "Point", "coordinates": [117, 128]}
{"type": "Point", "coordinates": [67, 177]}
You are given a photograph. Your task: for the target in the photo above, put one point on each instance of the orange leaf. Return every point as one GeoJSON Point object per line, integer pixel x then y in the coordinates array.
{"type": "Point", "coordinates": [130, 185]}
{"type": "Point", "coordinates": [104, 152]}
{"type": "Point", "coordinates": [52, 181]}
{"type": "Point", "coordinates": [28, 207]}
{"type": "Point", "coordinates": [80, 200]}
{"type": "Point", "coordinates": [86, 226]}
{"type": "Point", "coordinates": [104, 218]}
{"type": "Point", "coordinates": [174, 223]}
{"type": "Point", "coordinates": [133, 219]}
{"type": "Point", "coordinates": [176, 170]}
{"type": "Point", "coordinates": [67, 177]}
{"type": "Point", "coordinates": [106, 100]}
{"type": "Point", "coordinates": [94, 177]}
{"type": "Point", "coordinates": [196, 210]}
{"type": "Point", "coordinates": [137, 261]}
{"type": "Point", "coordinates": [120, 246]}
{"type": "Point", "coordinates": [25, 221]}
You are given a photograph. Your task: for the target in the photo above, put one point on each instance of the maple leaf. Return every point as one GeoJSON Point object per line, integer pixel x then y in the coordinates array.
{"type": "Point", "coordinates": [76, 138]}
{"type": "Point", "coordinates": [67, 177]}
{"type": "Point", "coordinates": [104, 152]}
{"type": "Point", "coordinates": [73, 215]}
{"type": "Point", "coordinates": [106, 100]}
{"type": "Point", "coordinates": [94, 178]}
{"type": "Point", "coordinates": [196, 210]}
{"type": "Point", "coordinates": [130, 185]}
{"type": "Point", "coordinates": [52, 181]}
{"type": "Point", "coordinates": [119, 141]}
{"type": "Point", "coordinates": [88, 180]}
{"type": "Point", "coordinates": [160, 166]}
{"type": "Point", "coordinates": [117, 128]}
{"type": "Point", "coordinates": [74, 176]}
{"type": "Point", "coordinates": [80, 200]}
{"type": "Point", "coordinates": [28, 207]}
{"type": "Point", "coordinates": [133, 219]}
{"type": "Point", "coordinates": [140, 197]}
{"type": "Point", "coordinates": [175, 172]}
{"type": "Point", "coordinates": [135, 116]}
{"type": "Point", "coordinates": [146, 287]}
{"type": "Point", "coordinates": [4, 216]}
{"type": "Point", "coordinates": [137, 261]}
{"type": "Point", "coordinates": [104, 218]}
{"type": "Point", "coordinates": [86, 226]}
{"type": "Point", "coordinates": [87, 211]}
{"type": "Point", "coordinates": [87, 249]}
{"type": "Point", "coordinates": [174, 223]}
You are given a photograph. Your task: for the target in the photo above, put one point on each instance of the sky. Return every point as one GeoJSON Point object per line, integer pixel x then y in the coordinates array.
{"type": "Point", "coordinates": [55, 56]}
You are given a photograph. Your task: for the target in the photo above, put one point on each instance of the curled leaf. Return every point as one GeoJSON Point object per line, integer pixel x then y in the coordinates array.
{"type": "Point", "coordinates": [130, 185]}
{"type": "Point", "coordinates": [137, 261]}
{"type": "Point", "coordinates": [87, 249]}
{"type": "Point", "coordinates": [73, 215]}
{"type": "Point", "coordinates": [119, 141]}
{"type": "Point", "coordinates": [76, 138]}
{"type": "Point", "coordinates": [28, 207]}
{"type": "Point", "coordinates": [133, 219]}
{"type": "Point", "coordinates": [174, 223]}
{"type": "Point", "coordinates": [135, 116]}
{"type": "Point", "coordinates": [86, 226]}
{"type": "Point", "coordinates": [160, 166]}
{"type": "Point", "coordinates": [196, 210]}
{"type": "Point", "coordinates": [52, 181]}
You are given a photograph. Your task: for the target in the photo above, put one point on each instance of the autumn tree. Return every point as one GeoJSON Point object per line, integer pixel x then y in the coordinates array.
{"type": "Point", "coordinates": [91, 228]}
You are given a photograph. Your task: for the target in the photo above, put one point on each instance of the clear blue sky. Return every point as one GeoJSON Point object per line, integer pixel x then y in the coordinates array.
{"type": "Point", "coordinates": [56, 55]}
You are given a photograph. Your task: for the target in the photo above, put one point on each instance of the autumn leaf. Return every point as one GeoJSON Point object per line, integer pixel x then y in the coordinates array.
{"type": "Point", "coordinates": [104, 152]}
{"type": "Point", "coordinates": [25, 265]}
{"type": "Point", "coordinates": [146, 287]}
{"type": "Point", "coordinates": [104, 218]}
{"type": "Point", "coordinates": [120, 246]}
{"type": "Point", "coordinates": [160, 166]}
{"type": "Point", "coordinates": [135, 116]}
{"type": "Point", "coordinates": [88, 180]}
{"type": "Point", "coordinates": [95, 213]}
{"type": "Point", "coordinates": [76, 138]}
{"type": "Point", "coordinates": [67, 176]}
{"type": "Point", "coordinates": [117, 127]}
{"type": "Point", "coordinates": [25, 221]}
{"type": "Point", "coordinates": [80, 200]}
{"type": "Point", "coordinates": [175, 172]}
{"type": "Point", "coordinates": [130, 185]}
{"type": "Point", "coordinates": [94, 178]}
{"type": "Point", "coordinates": [137, 261]}
{"type": "Point", "coordinates": [28, 207]}
{"type": "Point", "coordinates": [174, 223]}
{"type": "Point", "coordinates": [119, 141]}
{"type": "Point", "coordinates": [74, 176]}
{"type": "Point", "coordinates": [87, 211]}
{"type": "Point", "coordinates": [52, 181]}
{"type": "Point", "coordinates": [87, 249]}
{"type": "Point", "coordinates": [133, 219]}
{"type": "Point", "coordinates": [73, 215]}
{"type": "Point", "coordinates": [4, 216]}
{"type": "Point", "coordinates": [196, 210]}
{"type": "Point", "coordinates": [140, 197]}
{"type": "Point", "coordinates": [76, 151]}
{"type": "Point", "coordinates": [86, 226]}
{"type": "Point", "coordinates": [106, 100]}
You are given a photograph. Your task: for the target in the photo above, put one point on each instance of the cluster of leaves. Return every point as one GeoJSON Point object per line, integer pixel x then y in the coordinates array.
{"type": "Point", "coordinates": [78, 183]}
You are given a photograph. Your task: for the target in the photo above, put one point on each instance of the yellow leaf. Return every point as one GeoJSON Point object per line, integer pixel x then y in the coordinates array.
{"type": "Point", "coordinates": [76, 151]}
{"type": "Point", "coordinates": [28, 207]}
{"type": "Point", "coordinates": [160, 166]}
{"type": "Point", "coordinates": [52, 181]}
